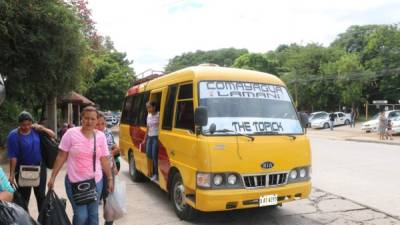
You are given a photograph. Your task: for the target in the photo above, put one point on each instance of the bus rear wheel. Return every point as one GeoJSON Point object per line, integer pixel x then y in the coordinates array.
{"type": "Point", "coordinates": [178, 199]}
{"type": "Point", "coordinates": [134, 174]}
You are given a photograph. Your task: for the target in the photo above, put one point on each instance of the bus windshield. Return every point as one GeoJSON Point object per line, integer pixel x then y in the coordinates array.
{"type": "Point", "coordinates": [248, 108]}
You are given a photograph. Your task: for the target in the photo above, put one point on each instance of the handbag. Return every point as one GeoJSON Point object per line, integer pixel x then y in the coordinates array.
{"type": "Point", "coordinates": [28, 175]}
{"type": "Point", "coordinates": [84, 192]}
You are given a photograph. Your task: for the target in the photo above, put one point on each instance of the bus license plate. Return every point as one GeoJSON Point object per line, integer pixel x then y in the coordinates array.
{"type": "Point", "coordinates": [267, 200]}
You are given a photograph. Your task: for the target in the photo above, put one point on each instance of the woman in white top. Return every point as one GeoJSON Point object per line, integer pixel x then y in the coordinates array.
{"type": "Point", "coordinates": [151, 138]}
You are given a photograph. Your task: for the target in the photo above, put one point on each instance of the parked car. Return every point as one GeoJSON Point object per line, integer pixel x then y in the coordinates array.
{"type": "Point", "coordinates": [323, 120]}
{"type": "Point", "coordinates": [372, 124]}
{"type": "Point", "coordinates": [315, 115]}
{"type": "Point", "coordinates": [395, 125]}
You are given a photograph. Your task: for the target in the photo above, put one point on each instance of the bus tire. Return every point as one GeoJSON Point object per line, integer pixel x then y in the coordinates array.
{"type": "Point", "coordinates": [134, 174]}
{"type": "Point", "coordinates": [177, 195]}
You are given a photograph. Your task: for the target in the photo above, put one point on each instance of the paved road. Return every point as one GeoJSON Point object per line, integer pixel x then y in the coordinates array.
{"type": "Point", "coordinates": [344, 173]}
{"type": "Point", "coordinates": [364, 172]}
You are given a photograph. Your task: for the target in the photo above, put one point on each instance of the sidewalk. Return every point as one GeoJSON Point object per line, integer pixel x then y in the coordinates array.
{"type": "Point", "coordinates": [347, 133]}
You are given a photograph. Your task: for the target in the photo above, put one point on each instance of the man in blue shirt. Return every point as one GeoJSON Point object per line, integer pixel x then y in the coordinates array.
{"type": "Point", "coordinates": [23, 146]}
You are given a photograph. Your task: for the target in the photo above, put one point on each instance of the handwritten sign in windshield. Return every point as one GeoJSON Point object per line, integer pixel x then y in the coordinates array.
{"type": "Point", "coordinates": [254, 125]}
{"type": "Point", "coordinates": [246, 107]}
{"type": "Point", "coordinates": [236, 89]}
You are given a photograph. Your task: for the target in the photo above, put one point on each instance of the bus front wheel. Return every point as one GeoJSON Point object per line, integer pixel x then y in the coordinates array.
{"type": "Point", "coordinates": [178, 198]}
{"type": "Point", "coordinates": [135, 175]}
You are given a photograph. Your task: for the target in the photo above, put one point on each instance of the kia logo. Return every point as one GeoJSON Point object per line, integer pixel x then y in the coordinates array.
{"type": "Point", "coordinates": [267, 165]}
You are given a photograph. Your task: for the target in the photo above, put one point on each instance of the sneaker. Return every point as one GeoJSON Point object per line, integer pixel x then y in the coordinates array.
{"type": "Point", "coordinates": [154, 178]}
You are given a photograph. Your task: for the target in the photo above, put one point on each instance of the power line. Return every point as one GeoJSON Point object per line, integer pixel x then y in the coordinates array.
{"type": "Point", "coordinates": [347, 77]}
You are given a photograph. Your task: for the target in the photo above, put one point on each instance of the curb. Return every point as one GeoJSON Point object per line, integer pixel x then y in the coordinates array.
{"type": "Point", "coordinates": [371, 141]}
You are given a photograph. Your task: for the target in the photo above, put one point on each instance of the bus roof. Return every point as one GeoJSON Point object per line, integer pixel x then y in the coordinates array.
{"type": "Point", "coordinates": [206, 73]}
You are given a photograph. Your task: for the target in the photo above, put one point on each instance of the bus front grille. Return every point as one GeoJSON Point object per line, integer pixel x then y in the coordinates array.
{"type": "Point", "coordinates": [264, 180]}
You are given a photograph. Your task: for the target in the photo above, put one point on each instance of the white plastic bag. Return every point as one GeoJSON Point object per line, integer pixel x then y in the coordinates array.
{"type": "Point", "coordinates": [115, 207]}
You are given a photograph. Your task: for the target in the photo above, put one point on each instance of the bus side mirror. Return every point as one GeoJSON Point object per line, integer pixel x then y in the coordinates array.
{"type": "Point", "coordinates": [201, 116]}
{"type": "Point", "coordinates": [303, 119]}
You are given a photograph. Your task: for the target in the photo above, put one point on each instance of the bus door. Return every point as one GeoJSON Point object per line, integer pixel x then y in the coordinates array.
{"type": "Point", "coordinates": [177, 133]}
{"type": "Point", "coordinates": [155, 96]}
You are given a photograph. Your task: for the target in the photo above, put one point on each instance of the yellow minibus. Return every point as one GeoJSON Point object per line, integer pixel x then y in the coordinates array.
{"type": "Point", "coordinates": [228, 139]}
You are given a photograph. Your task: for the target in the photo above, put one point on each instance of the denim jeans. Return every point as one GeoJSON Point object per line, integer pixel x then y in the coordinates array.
{"type": "Point", "coordinates": [332, 124]}
{"type": "Point", "coordinates": [84, 214]}
{"type": "Point", "coordinates": [152, 151]}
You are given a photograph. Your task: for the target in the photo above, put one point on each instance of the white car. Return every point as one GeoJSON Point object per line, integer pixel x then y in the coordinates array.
{"type": "Point", "coordinates": [315, 115]}
{"type": "Point", "coordinates": [323, 120]}
{"type": "Point", "coordinates": [372, 125]}
{"type": "Point", "coordinates": [395, 125]}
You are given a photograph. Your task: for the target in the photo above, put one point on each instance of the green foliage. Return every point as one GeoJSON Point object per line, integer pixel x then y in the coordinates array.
{"type": "Point", "coordinates": [221, 57]}
{"type": "Point", "coordinates": [379, 50]}
{"type": "Point", "coordinates": [301, 69]}
{"type": "Point", "coordinates": [9, 111]}
{"type": "Point", "coordinates": [362, 64]}
{"type": "Point", "coordinates": [41, 49]}
{"type": "Point", "coordinates": [255, 61]}
{"type": "Point", "coordinates": [112, 76]}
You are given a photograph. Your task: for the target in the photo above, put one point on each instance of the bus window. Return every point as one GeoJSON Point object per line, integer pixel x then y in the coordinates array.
{"type": "Point", "coordinates": [156, 97]}
{"type": "Point", "coordinates": [184, 110]}
{"type": "Point", "coordinates": [142, 109]}
{"type": "Point", "coordinates": [126, 110]}
{"type": "Point", "coordinates": [186, 91]}
{"type": "Point", "coordinates": [136, 105]}
{"type": "Point", "coordinates": [169, 108]}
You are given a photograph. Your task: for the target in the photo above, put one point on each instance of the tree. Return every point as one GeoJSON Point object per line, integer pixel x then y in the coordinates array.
{"type": "Point", "coordinates": [41, 47]}
{"type": "Point", "coordinates": [351, 78]}
{"type": "Point", "coordinates": [111, 79]}
{"type": "Point", "coordinates": [221, 57]}
{"type": "Point", "coordinates": [379, 50]}
{"type": "Point", "coordinates": [255, 61]}
{"type": "Point", "coordinates": [300, 68]}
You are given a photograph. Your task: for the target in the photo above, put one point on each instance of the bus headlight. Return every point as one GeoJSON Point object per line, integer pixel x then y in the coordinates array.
{"type": "Point", "coordinates": [303, 172]}
{"type": "Point", "coordinates": [203, 180]}
{"type": "Point", "coordinates": [293, 174]}
{"type": "Point", "coordinates": [300, 174]}
{"type": "Point", "coordinates": [232, 179]}
{"type": "Point", "coordinates": [218, 179]}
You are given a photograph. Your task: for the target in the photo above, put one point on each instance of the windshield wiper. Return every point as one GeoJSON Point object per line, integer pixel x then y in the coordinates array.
{"type": "Point", "coordinates": [275, 133]}
{"type": "Point", "coordinates": [240, 134]}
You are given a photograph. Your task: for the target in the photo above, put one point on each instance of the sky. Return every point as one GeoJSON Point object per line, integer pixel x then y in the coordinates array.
{"type": "Point", "coordinates": [153, 31]}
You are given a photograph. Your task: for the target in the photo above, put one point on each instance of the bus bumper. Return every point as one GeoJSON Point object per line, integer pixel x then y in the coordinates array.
{"type": "Point", "coordinates": [221, 200]}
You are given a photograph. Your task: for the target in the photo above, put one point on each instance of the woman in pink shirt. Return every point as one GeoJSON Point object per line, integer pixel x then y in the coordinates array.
{"type": "Point", "coordinates": [77, 149]}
